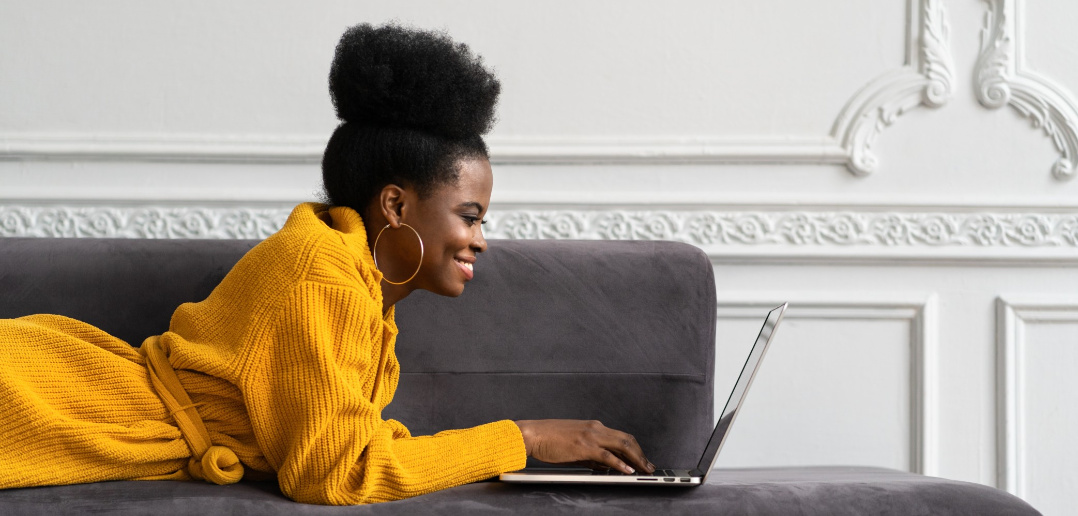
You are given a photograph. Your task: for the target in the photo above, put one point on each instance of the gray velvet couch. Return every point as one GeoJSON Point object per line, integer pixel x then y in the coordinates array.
{"type": "Point", "coordinates": [622, 332]}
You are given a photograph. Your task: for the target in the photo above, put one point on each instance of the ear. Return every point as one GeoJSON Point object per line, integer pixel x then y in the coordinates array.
{"type": "Point", "coordinates": [391, 202]}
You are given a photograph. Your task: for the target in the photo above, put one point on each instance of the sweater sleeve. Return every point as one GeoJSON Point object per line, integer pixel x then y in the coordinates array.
{"type": "Point", "coordinates": [309, 393]}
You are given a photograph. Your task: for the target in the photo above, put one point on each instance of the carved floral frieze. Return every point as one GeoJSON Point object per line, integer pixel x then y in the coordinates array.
{"type": "Point", "coordinates": [144, 222]}
{"type": "Point", "coordinates": [797, 229]}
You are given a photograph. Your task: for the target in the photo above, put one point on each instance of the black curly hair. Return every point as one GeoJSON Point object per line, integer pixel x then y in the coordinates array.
{"type": "Point", "coordinates": [412, 105]}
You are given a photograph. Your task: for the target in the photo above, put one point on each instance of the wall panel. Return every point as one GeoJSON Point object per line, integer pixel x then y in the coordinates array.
{"type": "Point", "coordinates": [1038, 355]}
{"type": "Point", "coordinates": [850, 379]}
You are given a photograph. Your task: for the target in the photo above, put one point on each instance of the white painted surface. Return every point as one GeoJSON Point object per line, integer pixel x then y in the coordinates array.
{"type": "Point", "coordinates": [1048, 454]}
{"type": "Point", "coordinates": [735, 126]}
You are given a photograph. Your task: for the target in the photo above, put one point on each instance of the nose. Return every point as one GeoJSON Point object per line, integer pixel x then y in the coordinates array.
{"type": "Point", "coordinates": [479, 244]}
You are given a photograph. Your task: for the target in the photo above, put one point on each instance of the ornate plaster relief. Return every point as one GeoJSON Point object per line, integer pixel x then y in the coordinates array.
{"type": "Point", "coordinates": [1001, 80]}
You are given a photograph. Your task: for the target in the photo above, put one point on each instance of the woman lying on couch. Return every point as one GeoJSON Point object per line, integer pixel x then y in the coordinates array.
{"type": "Point", "coordinates": [285, 368]}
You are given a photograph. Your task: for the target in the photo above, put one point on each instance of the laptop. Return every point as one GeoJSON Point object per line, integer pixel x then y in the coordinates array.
{"type": "Point", "coordinates": [666, 477]}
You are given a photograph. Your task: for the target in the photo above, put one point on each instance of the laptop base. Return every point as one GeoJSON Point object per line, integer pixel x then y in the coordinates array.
{"type": "Point", "coordinates": [675, 478]}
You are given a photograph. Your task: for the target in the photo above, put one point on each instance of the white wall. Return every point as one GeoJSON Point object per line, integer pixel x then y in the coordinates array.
{"type": "Point", "coordinates": [899, 170]}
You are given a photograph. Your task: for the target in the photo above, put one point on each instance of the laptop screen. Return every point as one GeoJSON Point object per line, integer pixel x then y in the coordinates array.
{"type": "Point", "coordinates": [748, 372]}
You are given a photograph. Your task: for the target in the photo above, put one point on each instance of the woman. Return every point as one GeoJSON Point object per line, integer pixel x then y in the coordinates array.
{"type": "Point", "coordinates": [285, 368]}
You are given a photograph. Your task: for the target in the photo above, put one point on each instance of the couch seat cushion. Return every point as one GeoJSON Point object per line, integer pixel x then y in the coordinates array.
{"type": "Point", "coordinates": [821, 491]}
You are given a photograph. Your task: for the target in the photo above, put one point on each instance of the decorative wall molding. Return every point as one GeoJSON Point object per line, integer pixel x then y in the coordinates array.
{"type": "Point", "coordinates": [924, 79]}
{"type": "Point", "coordinates": [1002, 80]}
{"type": "Point", "coordinates": [794, 228]}
{"type": "Point", "coordinates": [668, 150]}
{"type": "Point", "coordinates": [1012, 315]}
{"type": "Point", "coordinates": [971, 235]}
{"type": "Point", "coordinates": [140, 222]}
{"type": "Point", "coordinates": [919, 310]}
{"type": "Point", "coordinates": [213, 148]}
{"type": "Point", "coordinates": [307, 149]}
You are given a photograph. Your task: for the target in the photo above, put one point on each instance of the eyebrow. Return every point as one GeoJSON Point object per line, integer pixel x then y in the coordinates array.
{"type": "Point", "coordinates": [471, 204]}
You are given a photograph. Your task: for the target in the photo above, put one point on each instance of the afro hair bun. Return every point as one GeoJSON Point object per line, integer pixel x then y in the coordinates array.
{"type": "Point", "coordinates": [401, 77]}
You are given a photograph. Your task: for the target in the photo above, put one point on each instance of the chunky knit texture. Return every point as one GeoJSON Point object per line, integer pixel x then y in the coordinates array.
{"type": "Point", "coordinates": [289, 362]}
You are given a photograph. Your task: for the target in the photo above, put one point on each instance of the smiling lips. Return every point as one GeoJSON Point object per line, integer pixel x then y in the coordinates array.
{"type": "Point", "coordinates": [466, 267]}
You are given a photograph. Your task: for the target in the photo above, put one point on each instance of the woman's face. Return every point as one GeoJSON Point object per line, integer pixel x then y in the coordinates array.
{"type": "Point", "coordinates": [450, 223]}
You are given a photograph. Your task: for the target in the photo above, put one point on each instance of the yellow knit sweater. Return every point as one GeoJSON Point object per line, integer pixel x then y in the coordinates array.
{"type": "Point", "coordinates": [289, 363]}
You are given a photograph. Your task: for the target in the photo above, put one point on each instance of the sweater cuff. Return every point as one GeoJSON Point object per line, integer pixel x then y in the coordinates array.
{"type": "Point", "coordinates": [513, 455]}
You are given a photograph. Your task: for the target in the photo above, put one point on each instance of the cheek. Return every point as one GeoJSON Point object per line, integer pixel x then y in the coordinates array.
{"type": "Point", "coordinates": [444, 240]}
{"type": "Point", "coordinates": [456, 239]}
{"type": "Point", "coordinates": [440, 248]}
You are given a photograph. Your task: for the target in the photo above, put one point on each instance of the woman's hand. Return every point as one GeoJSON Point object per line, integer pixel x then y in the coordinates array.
{"type": "Point", "coordinates": [571, 441]}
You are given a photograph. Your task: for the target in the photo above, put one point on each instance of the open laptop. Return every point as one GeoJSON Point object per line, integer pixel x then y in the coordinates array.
{"type": "Point", "coordinates": [676, 477]}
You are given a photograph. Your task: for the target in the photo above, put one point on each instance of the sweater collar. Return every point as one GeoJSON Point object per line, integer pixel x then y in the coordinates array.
{"type": "Point", "coordinates": [349, 225]}
{"type": "Point", "coordinates": [348, 222]}
{"type": "Point", "coordinates": [344, 221]}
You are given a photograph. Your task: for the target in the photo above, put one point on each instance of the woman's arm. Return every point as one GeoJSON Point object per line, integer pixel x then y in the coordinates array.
{"type": "Point", "coordinates": [309, 388]}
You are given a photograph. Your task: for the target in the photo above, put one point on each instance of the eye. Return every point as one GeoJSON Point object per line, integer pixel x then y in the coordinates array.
{"type": "Point", "coordinates": [471, 220]}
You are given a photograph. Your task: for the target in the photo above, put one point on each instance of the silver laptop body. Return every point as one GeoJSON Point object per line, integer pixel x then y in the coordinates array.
{"type": "Point", "coordinates": [676, 477]}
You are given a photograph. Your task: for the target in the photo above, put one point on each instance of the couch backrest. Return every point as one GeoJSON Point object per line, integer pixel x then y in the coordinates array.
{"type": "Point", "coordinates": [622, 332]}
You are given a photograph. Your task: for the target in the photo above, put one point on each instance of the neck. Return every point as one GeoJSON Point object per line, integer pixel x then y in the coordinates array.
{"type": "Point", "coordinates": [391, 294]}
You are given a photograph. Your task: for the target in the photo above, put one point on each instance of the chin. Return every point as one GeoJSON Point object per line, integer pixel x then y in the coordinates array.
{"type": "Point", "coordinates": [455, 292]}
{"type": "Point", "coordinates": [448, 290]}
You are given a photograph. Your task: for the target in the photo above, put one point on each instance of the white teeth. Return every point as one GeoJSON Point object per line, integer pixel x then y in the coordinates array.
{"type": "Point", "coordinates": [465, 264]}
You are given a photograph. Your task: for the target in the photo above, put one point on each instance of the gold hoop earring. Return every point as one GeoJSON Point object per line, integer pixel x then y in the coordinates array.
{"type": "Point", "coordinates": [374, 253]}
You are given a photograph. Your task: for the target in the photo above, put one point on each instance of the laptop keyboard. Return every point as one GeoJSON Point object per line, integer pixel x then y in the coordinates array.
{"type": "Point", "coordinates": [614, 472]}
